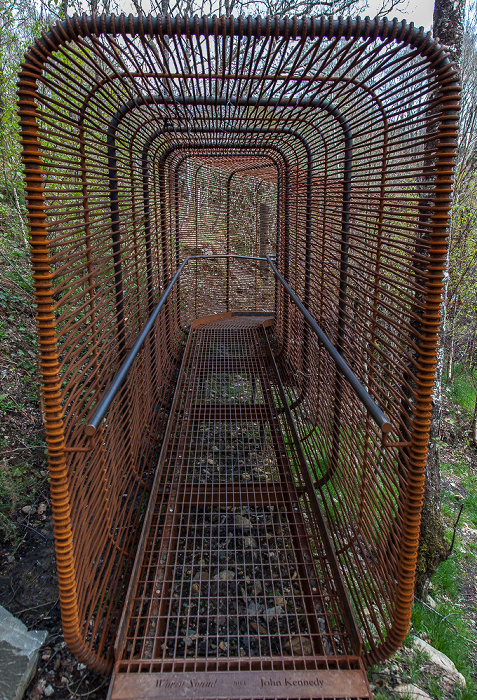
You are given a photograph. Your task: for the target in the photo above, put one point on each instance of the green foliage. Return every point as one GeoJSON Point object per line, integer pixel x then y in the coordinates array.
{"type": "Point", "coordinates": [464, 386]}
{"type": "Point", "coordinates": [19, 486]}
{"type": "Point", "coordinates": [21, 21]}
{"type": "Point", "coordinates": [450, 639]}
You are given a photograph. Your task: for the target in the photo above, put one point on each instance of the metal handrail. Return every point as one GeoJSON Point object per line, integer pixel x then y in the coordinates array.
{"type": "Point", "coordinates": [344, 369]}
{"type": "Point", "coordinates": [341, 365]}
{"type": "Point", "coordinates": [116, 384]}
{"type": "Point", "coordinates": [93, 425]}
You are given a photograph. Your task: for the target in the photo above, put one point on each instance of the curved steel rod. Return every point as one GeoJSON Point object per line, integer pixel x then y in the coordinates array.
{"type": "Point", "coordinates": [92, 426]}
{"type": "Point", "coordinates": [118, 380]}
{"type": "Point", "coordinates": [342, 367]}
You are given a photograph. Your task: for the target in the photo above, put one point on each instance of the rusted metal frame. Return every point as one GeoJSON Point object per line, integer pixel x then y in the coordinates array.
{"type": "Point", "coordinates": [243, 168]}
{"type": "Point", "coordinates": [98, 415]}
{"type": "Point", "coordinates": [439, 216]}
{"type": "Point", "coordinates": [444, 207]}
{"type": "Point", "coordinates": [348, 614]}
{"type": "Point", "coordinates": [81, 126]}
{"type": "Point", "coordinates": [49, 366]}
{"type": "Point", "coordinates": [203, 147]}
{"type": "Point", "coordinates": [301, 544]}
{"type": "Point", "coordinates": [129, 599]}
{"type": "Point", "coordinates": [161, 99]}
{"type": "Point", "coordinates": [324, 105]}
{"type": "Point", "coordinates": [103, 406]}
{"type": "Point", "coordinates": [341, 365]}
{"type": "Point", "coordinates": [307, 27]}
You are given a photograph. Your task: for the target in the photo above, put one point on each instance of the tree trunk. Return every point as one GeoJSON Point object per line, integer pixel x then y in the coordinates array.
{"type": "Point", "coordinates": [449, 27]}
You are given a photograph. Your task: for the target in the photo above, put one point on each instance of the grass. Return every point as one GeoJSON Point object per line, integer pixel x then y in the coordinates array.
{"type": "Point", "coordinates": [463, 387]}
{"type": "Point", "coordinates": [449, 627]}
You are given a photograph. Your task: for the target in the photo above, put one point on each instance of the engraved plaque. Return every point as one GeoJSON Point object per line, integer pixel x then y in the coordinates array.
{"type": "Point", "coordinates": [240, 684]}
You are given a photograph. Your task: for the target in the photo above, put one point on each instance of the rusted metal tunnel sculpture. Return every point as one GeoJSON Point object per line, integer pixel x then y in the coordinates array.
{"type": "Point", "coordinates": [238, 235]}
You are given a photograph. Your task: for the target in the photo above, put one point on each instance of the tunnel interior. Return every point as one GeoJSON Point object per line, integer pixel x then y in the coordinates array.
{"type": "Point", "coordinates": [272, 195]}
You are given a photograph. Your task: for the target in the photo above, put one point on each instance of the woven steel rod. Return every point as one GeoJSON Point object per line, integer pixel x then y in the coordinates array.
{"type": "Point", "coordinates": [400, 193]}
{"type": "Point", "coordinates": [92, 427]}
{"type": "Point", "coordinates": [344, 369]}
{"type": "Point", "coordinates": [118, 380]}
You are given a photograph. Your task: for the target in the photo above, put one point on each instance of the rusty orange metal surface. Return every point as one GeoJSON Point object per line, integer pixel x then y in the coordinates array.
{"type": "Point", "coordinates": [328, 144]}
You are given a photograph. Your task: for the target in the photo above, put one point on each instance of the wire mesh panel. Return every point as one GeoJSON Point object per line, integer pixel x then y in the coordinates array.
{"type": "Point", "coordinates": [153, 143]}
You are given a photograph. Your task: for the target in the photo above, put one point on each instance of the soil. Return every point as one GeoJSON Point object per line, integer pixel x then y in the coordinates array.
{"type": "Point", "coordinates": [29, 590]}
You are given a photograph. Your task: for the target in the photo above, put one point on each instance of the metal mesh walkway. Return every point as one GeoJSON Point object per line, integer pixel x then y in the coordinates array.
{"type": "Point", "coordinates": [233, 573]}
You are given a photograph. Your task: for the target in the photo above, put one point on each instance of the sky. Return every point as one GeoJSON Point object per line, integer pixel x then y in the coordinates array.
{"type": "Point", "coordinates": [419, 12]}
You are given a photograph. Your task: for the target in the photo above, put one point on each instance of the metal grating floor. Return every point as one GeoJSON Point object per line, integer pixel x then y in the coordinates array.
{"type": "Point", "coordinates": [233, 594]}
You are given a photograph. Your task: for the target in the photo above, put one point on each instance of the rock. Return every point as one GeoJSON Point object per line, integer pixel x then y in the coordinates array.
{"type": "Point", "coordinates": [191, 639]}
{"type": "Point", "coordinates": [49, 691]}
{"type": "Point", "coordinates": [201, 576]}
{"type": "Point", "coordinates": [242, 522]}
{"type": "Point", "coordinates": [411, 691]}
{"type": "Point", "coordinates": [439, 659]}
{"type": "Point", "coordinates": [299, 645]}
{"type": "Point", "coordinates": [18, 655]}
{"type": "Point", "coordinates": [254, 608]}
{"type": "Point", "coordinates": [224, 576]}
{"type": "Point", "coordinates": [431, 602]}
{"type": "Point", "coordinates": [270, 613]}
